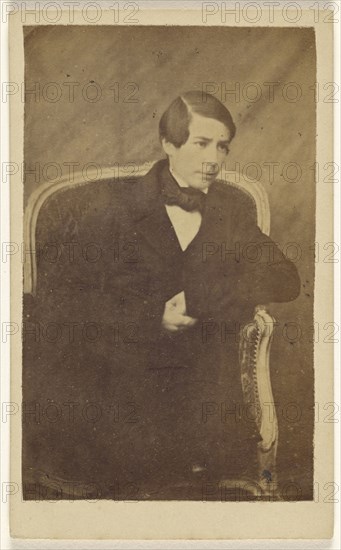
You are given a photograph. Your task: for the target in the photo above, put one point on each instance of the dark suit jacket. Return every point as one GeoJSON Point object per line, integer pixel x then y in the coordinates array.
{"type": "Point", "coordinates": [126, 264]}
{"type": "Point", "coordinates": [228, 268]}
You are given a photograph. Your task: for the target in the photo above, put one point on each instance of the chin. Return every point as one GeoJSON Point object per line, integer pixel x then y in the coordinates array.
{"type": "Point", "coordinates": [201, 186]}
{"type": "Point", "coordinates": [206, 182]}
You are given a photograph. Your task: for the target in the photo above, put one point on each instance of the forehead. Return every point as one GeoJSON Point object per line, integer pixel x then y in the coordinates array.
{"type": "Point", "coordinates": [207, 127]}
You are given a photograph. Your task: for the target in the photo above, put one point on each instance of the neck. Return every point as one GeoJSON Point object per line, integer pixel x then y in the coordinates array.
{"type": "Point", "coordinates": [181, 181]}
{"type": "Point", "coordinates": [178, 178]}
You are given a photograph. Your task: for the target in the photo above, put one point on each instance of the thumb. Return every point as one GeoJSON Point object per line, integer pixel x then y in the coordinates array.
{"type": "Point", "coordinates": [188, 321]}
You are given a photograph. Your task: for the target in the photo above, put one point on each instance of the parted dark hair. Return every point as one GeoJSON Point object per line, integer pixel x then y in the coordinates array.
{"type": "Point", "coordinates": [174, 123]}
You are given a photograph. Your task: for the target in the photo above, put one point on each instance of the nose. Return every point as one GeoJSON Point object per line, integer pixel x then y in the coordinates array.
{"type": "Point", "coordinates": [212, 159]}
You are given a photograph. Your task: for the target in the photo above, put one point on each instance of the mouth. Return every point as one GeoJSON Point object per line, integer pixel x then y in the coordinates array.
{"type": "Point", "coordinates": [209, 174]}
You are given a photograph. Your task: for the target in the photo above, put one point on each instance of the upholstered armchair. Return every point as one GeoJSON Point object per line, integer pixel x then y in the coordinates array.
{"type": "Point", "coordinates": [255, 337]}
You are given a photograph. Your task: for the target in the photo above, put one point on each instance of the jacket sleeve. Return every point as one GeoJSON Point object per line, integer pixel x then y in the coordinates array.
{"type": "Point", "coordinates": [253, 271]}
{"type": "Point", "coordinates": [262, 273]}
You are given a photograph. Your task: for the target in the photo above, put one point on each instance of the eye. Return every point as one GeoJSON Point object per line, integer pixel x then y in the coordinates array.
{"type": "Point", "coordinates": [223, 148]}
{"type": "Point", "coordinates": [200, 144]}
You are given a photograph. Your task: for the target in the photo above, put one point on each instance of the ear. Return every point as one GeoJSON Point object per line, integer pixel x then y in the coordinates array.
{"type": "Point", "coordinates": [167, 147]}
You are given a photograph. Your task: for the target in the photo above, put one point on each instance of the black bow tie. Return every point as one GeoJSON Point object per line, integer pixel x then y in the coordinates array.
{"type": "Point", "coordinates": [186, 197]}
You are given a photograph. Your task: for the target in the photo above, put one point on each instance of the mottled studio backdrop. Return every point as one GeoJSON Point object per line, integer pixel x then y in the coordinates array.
{"type": "Point", "coordinates": [135, 72]}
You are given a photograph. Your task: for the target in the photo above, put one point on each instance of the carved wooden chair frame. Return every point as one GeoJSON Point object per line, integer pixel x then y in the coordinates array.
{"type": "Point", "coordinates": [255, 337]}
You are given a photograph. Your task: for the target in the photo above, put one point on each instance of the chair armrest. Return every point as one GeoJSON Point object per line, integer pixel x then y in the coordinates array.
{"type": "Point", "coordinates": [255, 343]}
{"type": "Point", "coordinates": [254, 357]}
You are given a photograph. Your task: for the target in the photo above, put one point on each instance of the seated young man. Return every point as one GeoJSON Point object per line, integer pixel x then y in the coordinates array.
{"type": "Point", "coordinates": [177, 281]}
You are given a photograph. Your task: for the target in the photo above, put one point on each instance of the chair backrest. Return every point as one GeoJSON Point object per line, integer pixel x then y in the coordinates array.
{"type": "Point", "coordinates": [252, 188]}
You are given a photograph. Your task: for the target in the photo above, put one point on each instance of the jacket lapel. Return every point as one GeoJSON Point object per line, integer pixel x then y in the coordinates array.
{"type": "Point", "coordinates": [216, 227]}
{"type": "Point", "coordinates": [151, 219]}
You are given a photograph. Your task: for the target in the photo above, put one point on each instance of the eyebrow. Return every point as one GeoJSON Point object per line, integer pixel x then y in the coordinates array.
{"type": "Point", "coordinates": [225, 141]}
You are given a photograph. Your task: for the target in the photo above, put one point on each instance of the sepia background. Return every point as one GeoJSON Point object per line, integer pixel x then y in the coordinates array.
{"type": "Point", "coordinates": [139, 71]}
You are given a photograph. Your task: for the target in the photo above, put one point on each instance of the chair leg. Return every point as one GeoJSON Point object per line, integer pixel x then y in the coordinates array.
{"type": "Point", "coordinates": [267, 473]}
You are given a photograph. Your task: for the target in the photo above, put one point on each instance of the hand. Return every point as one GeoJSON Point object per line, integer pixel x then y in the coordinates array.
{"type": "Point", "coordinates": [174, 316]}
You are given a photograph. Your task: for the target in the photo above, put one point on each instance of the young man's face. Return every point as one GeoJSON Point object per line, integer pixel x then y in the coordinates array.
{"type": "Point", "coordinates": [199, 160]}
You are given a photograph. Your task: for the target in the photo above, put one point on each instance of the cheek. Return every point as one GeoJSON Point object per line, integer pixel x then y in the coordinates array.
{"type": "Point", "coordinates": [188, 160]}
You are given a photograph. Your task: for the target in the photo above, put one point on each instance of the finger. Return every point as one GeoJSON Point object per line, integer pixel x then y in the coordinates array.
{"type": "Point", "coordinates": [170, 327]}
{"type": "Point", "coordinates": [188, 321]}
